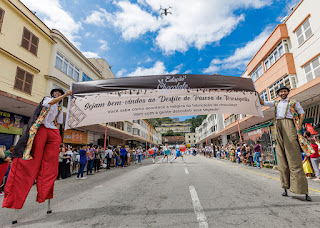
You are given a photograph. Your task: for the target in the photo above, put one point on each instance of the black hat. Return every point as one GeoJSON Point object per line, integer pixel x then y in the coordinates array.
{"type": "Point", "coordinates": [56, 89]}
{"type": "Point", "coordinates": [283, 87]}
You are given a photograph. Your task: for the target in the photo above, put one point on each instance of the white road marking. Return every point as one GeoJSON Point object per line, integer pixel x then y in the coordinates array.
{"type": "Point", "coordinates": [186, 170]}
{"type": "Point", "coordinates": [201, 217]}
{"type": "Point", "coordinates": [99, 186]}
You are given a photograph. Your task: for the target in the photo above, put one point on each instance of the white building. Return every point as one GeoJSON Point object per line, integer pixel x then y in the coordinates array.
{"type": "Point", "coordinates": [208, 129]}
{"type": "Point", "coordinates": [190, 139]}
{"type": "Point", "coordinates": [68, 65]}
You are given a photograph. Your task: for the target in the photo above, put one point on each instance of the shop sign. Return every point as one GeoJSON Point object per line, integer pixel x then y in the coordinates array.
{"type": "Point", "coordinates": [11, 123]}
{"type": "Point", "coordinates": [76, 137]}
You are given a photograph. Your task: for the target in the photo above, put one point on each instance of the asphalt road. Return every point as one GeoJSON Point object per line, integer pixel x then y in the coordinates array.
{"type": "Point", "coordinates": [200, 193]}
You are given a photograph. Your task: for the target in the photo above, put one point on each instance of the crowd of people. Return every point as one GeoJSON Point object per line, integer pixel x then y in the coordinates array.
{"type": "Point", "coordinates": [90, 159]}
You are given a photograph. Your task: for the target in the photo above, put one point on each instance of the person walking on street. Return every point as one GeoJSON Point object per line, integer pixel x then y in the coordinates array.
{"type": "Point", "coordinates": [289, 116]}
{"type": "Point", "coordinates": [166, 152]}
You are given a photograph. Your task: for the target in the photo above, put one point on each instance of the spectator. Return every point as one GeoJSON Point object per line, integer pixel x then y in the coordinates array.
{"type": "Point", "coordinates": [4, 165]}
{"type": "Point", "coordinates": [90, 162]}
{"type": "Point", "coordinates": [82, 161]}
{"type": "Point", "coordinates": [123, 153]}
{"type": "Point", "coordinates": [97, 159]}
{"type": "Point", "coordinates": [314, 157]}
{"type": "Point", "coordinates": [128, 156]}
{"type": "Point", "coordinates": [116, 153]}
{"type": "Point", "coordinates": [108, 156]}
{"type": "Point", "coordinates": [249, 156]}
{"type": "Point", "coordinates": [69, 153]}
{"type": "Point", "coordinates": [139, 153]}
{"type": "Point", "coordinates": [257, 154]}
{"type": "Point", "coordinates": [62, 173]}
{"type": "Point", "coordinates": [134, 155]}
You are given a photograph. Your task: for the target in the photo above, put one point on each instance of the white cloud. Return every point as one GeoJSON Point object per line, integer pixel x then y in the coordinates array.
{"type": "Point", "coordinates": [87, 34]}
{"type": "Point", "coordinates": [148, 60]}
{"type": "Point", "coordinates": [98, 17]}
{"type": "Point", "coordinates": [90, 54]}
{"type": "Point", "coordinates": [121, 72]}
{"type": "Point", "coordinates": [241, 56]}
{"type": "Point", "coordinates": [191, 24]}
{"type": "Point", "coordinates": [158, 68]}
{"type": "Point", "coordinates": [104, 45]}
{"type": "Point", "coordinates": [55, 17]}
{"type": "Point", "coordinates": [177, 69]}
{"type": "Point", "coordinates": [187, 72]}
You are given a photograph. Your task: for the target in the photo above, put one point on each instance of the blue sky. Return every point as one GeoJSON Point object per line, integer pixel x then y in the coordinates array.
{"type": "Point", "coordinates": [199, 37]}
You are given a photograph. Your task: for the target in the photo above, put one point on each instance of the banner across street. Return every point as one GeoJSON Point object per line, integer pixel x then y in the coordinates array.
{"type": "Point", "coordinates": [158, 96]}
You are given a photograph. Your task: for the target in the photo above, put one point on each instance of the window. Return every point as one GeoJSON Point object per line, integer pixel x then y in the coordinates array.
{"type": "Point", "coordinates": [282, 48]}
{"type": "Point", "coordinates": [312, 69]}
{"type": "Point", "coordinates": [264, 95]}
{"type": "Point", "coordinates": [23, 81]}
{"type": "Point", "coordinates": [67, 67]}
{"type": "Point", "coordinates": [136, 131]}
{"type": "Point", "coordinates": [1, 18]}
{"type": "Point", "coordinates": [85, 77]}
{"type": "Point", "coordinates": [303, 32]}
{"type": "Point", "coordinates": [256, 73]}
{"type": "Point", "coordinates": [30, 41]}
{"type": "Point", "coordinates": [289, 81]}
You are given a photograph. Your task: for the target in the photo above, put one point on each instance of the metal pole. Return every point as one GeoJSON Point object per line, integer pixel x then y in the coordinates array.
{"type": "Point", "coordinates": [239, 128]}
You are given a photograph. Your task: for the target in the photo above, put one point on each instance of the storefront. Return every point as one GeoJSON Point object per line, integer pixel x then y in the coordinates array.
{"type": "Point", "coordinates": [11, 127]}
{"type": "Point", "coordinates": [75, 137]}
{"type": "Point", "coordinates": [265, 134]}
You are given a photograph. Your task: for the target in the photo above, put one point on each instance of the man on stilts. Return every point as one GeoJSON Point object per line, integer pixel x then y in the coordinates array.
{"type": "Point", "coordinates": [289, 116]}
{"type": "Point", "coordinates": [35, 156]}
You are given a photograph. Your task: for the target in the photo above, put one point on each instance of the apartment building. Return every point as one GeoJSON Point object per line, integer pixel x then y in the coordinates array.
{"type": "Point", "coordinates": [206, 132]}
{"type": "Point", "coordinates": [68, 65]}
{"type": "Point", "coordinates": [176, 127]}
{"type": "Point", "coordinates": [25, 46]}
{"type": "Point", "coordinates": [289, 56]}
{"type": "Point", "coordinates": [190, 139]}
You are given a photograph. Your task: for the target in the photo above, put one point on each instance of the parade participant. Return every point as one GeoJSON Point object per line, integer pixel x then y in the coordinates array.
{"type": "Point", "coordinates": [289, 116]}
{"type": "Point", "coordinates": [36, 154]}
{"type": "Point", "coordinates": [151, 153]}
{"type": "Point", "coordinates": [178, 154]}
{"type": "Point", "coordinates": [166, 152]}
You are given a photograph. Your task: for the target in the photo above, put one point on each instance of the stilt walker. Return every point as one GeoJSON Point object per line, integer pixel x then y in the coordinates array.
{"type": "Point", "coordinates": [35, 156]}
{"type": "Point", "coordinates": [289, 116]}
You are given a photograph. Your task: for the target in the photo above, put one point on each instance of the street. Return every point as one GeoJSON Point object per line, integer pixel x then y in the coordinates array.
{"type": "Point", "coordinates": [200, 193]}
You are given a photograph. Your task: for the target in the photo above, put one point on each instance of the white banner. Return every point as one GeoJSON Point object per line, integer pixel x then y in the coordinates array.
{"type": "Point", "coordinates": [88, 109]}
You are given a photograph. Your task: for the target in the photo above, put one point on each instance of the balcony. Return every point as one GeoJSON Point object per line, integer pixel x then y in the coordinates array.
{"type": "Point", "coordinates": [284, 66]}
{"type": "Point", "coordinates": [279, 33]}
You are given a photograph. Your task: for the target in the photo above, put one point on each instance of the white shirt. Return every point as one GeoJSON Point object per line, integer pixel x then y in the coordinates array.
{"type": "Point", "coordinates": [48, 122]}
{"type": "Point", "coordinates": [108, 153]}
{"type": "Point", "coordinates": [281, 108]}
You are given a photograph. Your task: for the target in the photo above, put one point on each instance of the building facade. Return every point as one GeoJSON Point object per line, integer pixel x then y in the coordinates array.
{"type": "Point", "coordinates": [290, 56]}
{"type": "Point", "coordinates": [176, 127]}
{"type": "Point", "coordinates": [190, 139]}
{"type": "Point", "coordinates": [206, 132]}
{"type": "Point", "coordinates": [25, 46]}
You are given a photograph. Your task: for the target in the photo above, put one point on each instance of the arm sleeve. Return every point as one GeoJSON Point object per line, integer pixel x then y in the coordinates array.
{"type": "Point", "coordinates": [299, 108]}
{"type": "Point", "coordinates": [269, 103]}
{"type": "Point", "coordinates": [60, 118]}
{"type": "Point", "coordinates": [46, 101]}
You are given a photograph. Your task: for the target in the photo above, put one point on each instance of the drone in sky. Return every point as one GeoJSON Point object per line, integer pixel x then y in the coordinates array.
{"type": "Point", "coordinates": [165, 11]}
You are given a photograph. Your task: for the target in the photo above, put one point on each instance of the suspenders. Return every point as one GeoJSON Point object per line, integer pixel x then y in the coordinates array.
{"type": "Point", "coordinates": [287, 108]}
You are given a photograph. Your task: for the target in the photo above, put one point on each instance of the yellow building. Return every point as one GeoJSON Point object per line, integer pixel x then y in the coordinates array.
{"type": "Point", "coordinates": [25, 45]}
